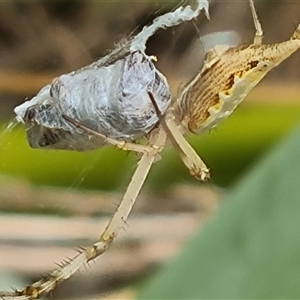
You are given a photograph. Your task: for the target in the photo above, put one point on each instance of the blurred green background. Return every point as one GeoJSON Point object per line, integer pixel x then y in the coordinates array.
{"type": "Point", "coordinates": [228, 151]}
{"type": "Point", "coordinates": [250, 248]}
{"type": "Point", "coordinates": [40, 40]}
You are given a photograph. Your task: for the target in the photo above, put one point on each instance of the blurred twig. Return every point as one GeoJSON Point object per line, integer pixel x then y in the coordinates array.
{"type": "Point", "coordinates": [21, 196]}
{"type": "Point", "coordinates": [23, 83]}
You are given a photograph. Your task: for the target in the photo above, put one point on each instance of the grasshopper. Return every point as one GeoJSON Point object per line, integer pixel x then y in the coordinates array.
{"type": "Point", "coordinates": [227, 76]}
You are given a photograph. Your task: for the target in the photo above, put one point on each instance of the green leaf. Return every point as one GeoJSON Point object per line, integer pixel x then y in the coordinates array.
{"type": "Point", "coordinates": [251, 247]}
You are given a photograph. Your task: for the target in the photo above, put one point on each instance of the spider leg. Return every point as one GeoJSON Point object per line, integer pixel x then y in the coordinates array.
{"type": "Point", "coordinates": [259, 34]}
{"type": "Point", "coordinates": [188, 155]}
{"type": "Point", "coordinates": [67, 269]}
{"type": "Point", "coordinates": [127, 146]}
{"type": "Point", "coordinates": [157, 139]}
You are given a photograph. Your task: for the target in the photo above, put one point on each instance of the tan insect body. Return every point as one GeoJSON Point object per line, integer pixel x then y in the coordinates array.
{"type": "Point", "coordinates": [226, 78]}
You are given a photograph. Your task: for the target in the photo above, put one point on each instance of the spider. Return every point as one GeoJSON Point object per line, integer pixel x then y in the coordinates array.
{"type": "Point", "coordinates": [136, 102]}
